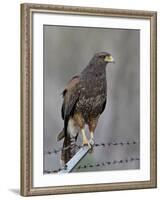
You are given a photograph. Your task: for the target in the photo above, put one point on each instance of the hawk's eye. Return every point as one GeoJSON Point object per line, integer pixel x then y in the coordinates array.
{"type": "Point", "coordinates": [102, 56]}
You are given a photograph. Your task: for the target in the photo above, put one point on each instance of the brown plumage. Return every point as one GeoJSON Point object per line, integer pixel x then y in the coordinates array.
{"type": "Point", "coordinates": [84, 101]}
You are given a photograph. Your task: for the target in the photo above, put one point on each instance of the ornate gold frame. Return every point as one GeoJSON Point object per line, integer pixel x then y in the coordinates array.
{"type": "Point", "coordinates": [27, 11]}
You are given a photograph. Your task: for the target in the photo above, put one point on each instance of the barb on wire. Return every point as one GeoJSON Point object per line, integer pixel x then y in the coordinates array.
{"type": "Point", "coordinates": [109, 144]}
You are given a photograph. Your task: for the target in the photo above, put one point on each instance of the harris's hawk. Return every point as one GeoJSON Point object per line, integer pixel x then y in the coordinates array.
{"type": "Point", "coordinates": [84, 99]}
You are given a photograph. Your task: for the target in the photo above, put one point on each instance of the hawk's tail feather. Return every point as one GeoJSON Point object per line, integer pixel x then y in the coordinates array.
{"type": "Point", "coordinates": [61, 135]}
{"type": "Point", "coordinates": [69, 143]}
{"type": "Point", "coordinates": [70, 151]}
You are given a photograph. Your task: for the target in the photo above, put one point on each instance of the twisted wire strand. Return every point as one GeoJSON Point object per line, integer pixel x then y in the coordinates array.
{"type": "Point", "coordinates": [102, 144]}
{"type": "Point", "coordinates": [97, 164]}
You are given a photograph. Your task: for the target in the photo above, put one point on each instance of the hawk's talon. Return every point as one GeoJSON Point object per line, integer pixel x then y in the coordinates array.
{"type": "Point", "coordinates": [87, 143]}
{"type": "Point", "coordinates": [92, 141]}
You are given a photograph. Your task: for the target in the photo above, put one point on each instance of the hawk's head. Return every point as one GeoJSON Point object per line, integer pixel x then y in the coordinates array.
{"type": "Point", "coordinates": [105, 57]}
{"type": "Point", "coordinates": [102, 58]}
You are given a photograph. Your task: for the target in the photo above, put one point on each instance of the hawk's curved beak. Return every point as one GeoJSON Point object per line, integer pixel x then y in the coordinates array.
{"type": "Point", "coordinates": [109, 59]}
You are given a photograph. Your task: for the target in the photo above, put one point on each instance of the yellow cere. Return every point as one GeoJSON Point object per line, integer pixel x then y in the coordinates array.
{"type": "Point", "coordinates": [108, 58]}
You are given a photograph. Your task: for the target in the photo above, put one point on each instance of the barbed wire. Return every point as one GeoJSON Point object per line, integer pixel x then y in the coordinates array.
{"type": "Point", "coordinates": [97, 164]}
{"type": "Point", "coordinates": [55, 151]}
{"type": "Point", "coordinates": [107, 163]}
{"type": "Point", "coordinates": [102, 144]}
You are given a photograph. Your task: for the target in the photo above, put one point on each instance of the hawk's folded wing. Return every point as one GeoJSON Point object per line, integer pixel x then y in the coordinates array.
{"type": "Point", "coordinates": [71, 96]}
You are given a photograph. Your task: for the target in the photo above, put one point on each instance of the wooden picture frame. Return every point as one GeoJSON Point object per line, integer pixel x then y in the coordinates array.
{"type": "Point", "coordinates": [27, 94]}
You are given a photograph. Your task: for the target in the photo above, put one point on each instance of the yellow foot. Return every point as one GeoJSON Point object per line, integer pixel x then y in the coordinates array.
{"type": "Point", "coordinates": [91, 141]}
{"type": "Point", "coordinates": [85, 141]}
